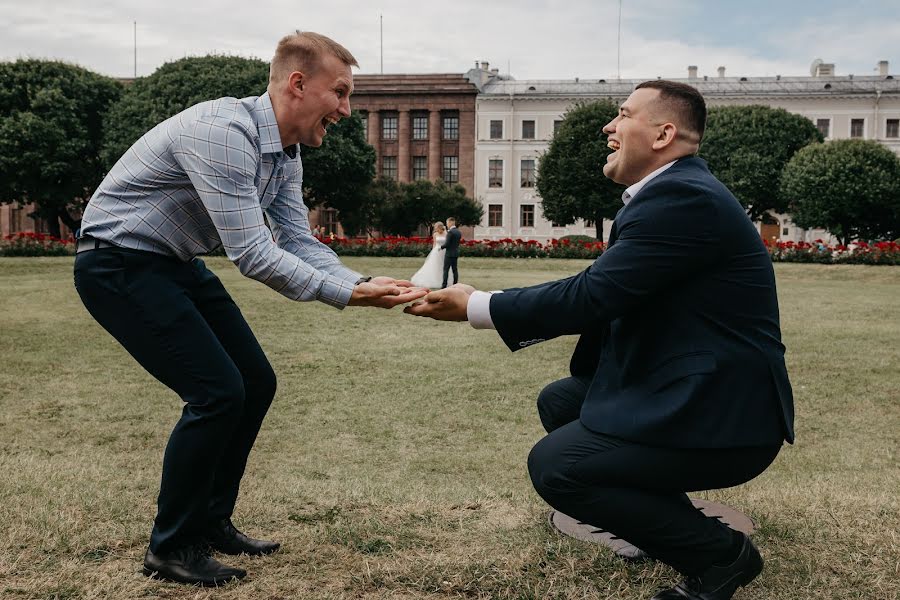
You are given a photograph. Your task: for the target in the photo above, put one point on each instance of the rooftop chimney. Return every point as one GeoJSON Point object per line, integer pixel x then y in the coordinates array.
{"type": "Point", "coordinates": [692, 72]}
{"type": "Point", "coordinates": [485, 65]}
{"type": "Point", "coordinates": [882, 67]}
{"type": "Point", "coordinates": [825, 70]}
{"type": "Point", "coordinates": [721, 71]}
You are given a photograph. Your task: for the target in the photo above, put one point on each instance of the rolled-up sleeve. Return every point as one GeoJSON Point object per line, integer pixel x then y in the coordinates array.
{"type": "Point", "coordinates": [220, 158]}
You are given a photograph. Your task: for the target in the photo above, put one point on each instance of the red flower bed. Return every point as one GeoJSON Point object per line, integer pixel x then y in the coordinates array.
{"type": "Point", "coordinates": [28, 243]}
{"type": "Point", "coordinates": [861, 253]}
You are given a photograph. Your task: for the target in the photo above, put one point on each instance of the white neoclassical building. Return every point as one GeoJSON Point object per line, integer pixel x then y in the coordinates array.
{"type": "Point", "coordinates": [515, 121]}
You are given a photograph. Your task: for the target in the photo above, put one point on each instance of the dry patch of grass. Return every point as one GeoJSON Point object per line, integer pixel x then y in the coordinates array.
{"type": "Point", "coordinates": [392, 464]}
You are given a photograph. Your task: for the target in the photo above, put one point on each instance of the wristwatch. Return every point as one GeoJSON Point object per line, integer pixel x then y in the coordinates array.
{"type": "Point", "coordinates": [363, 280]}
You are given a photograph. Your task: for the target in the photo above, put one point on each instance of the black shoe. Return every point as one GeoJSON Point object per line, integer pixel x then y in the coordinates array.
{"type": "Point", "coordinates": [718, 583]}
{"type": "Point", "coordinates": [224, 537]}
{"type": "Point", "coordinates": [192, 564]}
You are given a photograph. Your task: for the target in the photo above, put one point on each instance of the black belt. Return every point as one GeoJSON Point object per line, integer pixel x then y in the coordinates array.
{"type": "Point", "coordinates": [87, 243]}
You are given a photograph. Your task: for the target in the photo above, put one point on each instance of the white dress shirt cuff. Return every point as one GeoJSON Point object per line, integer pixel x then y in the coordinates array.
{"type": "Point", "coordinates": [478, 310]}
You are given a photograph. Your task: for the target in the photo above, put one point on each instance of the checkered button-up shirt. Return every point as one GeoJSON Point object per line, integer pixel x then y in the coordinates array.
{"type": "Point", "coordinates": [203, 179]}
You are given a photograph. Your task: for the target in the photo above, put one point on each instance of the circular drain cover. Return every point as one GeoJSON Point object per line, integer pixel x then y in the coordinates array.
{"type": "Point", "coordinates": [588, 533]}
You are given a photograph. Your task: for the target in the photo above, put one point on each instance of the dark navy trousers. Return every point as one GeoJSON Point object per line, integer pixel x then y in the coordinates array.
{"type": "Point", "coordinates": [178, 321]}
{"type": "Point", "coordinates": [637, 491]}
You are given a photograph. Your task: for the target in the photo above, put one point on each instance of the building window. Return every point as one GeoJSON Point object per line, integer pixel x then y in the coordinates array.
{"type": "Point", "coordinates": [496, 130]}
{"type": "Point", "coordinates": [420, 168]}
{"type": "Point", "coordinates": [451, 127]}
{"type": "Point", "coordinates": [451, 169]}
{"type": "Point", "coordinates": [420, 127]}
{"type": "Point", "coordinates": [495, 215]}
{"type": "Point", "coordinates": [526, 215]}
{"type": "Point", "coordinates": [856, 128]}
{"type": "Point", "coordinates": [495, 173]}
{"type": "Point", "coordinates": [527, 130]}
{"type": "Point", "coordinates": [892, 128]}
{"type": "Point", "coordinates": [556, 125]}
{"type": "Point", "coordinates": [527, 172]}
{"type": "Point", "coordinates": [824, 127]}
{"type": "Point", "coordinates": [364, 117]}
{"type": "Point", "coordinates": [389, 167]}
{"type": "Point", "coordinates": [389, 127]}
{"type": "Point", "coordinates": [329, 221]}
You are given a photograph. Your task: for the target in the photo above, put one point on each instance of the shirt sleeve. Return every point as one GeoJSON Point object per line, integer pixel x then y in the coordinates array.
{"type": "Point", "coordinates": [478, 311]}
{"type": "Point", "coordinates": [220, 158]}
{"type": "Point", "coordinates": [289, 219]}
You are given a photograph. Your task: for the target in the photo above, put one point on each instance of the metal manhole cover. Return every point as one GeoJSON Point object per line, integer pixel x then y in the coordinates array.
{"type": "Point", "coordinates": [588, 533]}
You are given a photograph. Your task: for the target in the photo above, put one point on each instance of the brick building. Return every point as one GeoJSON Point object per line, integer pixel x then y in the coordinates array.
{"type": "Point", "coordinates": [421, 126]}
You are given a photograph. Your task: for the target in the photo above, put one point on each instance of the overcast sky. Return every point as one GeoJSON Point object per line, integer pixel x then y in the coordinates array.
{"type": "Point", "coordinates": [547, 39]}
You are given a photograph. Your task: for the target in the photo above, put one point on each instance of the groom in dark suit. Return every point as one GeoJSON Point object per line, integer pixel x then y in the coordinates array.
{"type": "Point", "coordinates": [678, 379]}
{"type": "Point", "coordinates": [451, 257]}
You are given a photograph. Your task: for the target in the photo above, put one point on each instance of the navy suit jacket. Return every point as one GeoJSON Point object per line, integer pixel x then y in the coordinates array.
{"type": "Point", "coordinates": [678, 321]}
{"type": "Point", "coordinates": [451, 244]}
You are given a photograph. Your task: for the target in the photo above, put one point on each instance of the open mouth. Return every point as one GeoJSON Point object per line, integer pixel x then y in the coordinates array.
{"type": "Point", "coordinates": [613, 145]}
{"type": "Point", "coordinates": [328, 122]}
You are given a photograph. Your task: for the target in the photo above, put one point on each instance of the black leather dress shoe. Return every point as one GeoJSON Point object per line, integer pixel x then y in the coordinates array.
{"type": "Point", "coordinates": [192, 564]}
{"type": "Point", "coordinates": [224, 537]}
{"type": "Point", "coordinates": [718, 583]}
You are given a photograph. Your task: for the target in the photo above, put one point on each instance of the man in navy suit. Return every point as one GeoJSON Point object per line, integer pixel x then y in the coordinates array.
{"type": "Point", "coordinates": [678, 379]}
{"type": "Point", "coordinates": [451, 245]}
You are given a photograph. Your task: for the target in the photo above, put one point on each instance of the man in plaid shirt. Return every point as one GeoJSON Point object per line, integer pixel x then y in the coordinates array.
{"type": "Point", "coordinates": [202, 179]}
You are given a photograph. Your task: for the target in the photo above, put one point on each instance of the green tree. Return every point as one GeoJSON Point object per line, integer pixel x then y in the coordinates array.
{"type": "Point", "coordinates": [747, 147]}
{"type": "Point", "coordinates": [406, 206]}
{"type": "Point", "coordinates": [174, 87]}
{"type": "Point", "coordinates": [51, 116]}
{"type": "Point", "coordinates": [849, 187]}
{"type": "Point", "coordinates": [570, 178]}
{"type": "Point", "coordinates": [338, 173]}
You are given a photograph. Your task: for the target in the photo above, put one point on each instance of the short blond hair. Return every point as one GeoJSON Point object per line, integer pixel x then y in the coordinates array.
{"type": "Point", "coordinates": [302, 51]}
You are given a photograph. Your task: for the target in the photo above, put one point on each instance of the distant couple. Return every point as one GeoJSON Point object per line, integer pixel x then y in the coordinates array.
{"type": "Point", "coordinates": [443, 257]}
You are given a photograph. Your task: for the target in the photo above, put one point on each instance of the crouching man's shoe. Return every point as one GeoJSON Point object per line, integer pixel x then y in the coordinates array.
{"type": "Point", "coordinates": [718, 582]}
{"type": "Point", "coordinates": [191, 564]}
{"type": "Point", "coordinates": [224, 537]}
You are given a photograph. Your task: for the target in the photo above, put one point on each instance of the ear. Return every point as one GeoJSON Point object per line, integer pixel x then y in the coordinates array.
{"type": "Point", "coordinates": [665, 136]}
{"type": "Point", "coordinates": [296, 82]}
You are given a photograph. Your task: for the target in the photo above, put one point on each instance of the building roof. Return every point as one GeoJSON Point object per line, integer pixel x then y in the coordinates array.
{"type": "Point", "coordinates": [428, 83]}
{"type": "Point", "coordinates": [713, 86]}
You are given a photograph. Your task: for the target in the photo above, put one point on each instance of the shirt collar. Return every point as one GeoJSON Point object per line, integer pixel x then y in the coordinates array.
{"type": "Point", "coordinates": [632, 190]}
{"type": "Point", "coordinates": [269, 136]}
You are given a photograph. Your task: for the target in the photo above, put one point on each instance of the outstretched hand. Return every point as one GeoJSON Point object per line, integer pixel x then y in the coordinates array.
{"type": "Point", "coordinates": [382, 280]}
{"type": "Point", "coordinates": [448, 304]}
{"type": "Point", "coordinates": [384, 292]}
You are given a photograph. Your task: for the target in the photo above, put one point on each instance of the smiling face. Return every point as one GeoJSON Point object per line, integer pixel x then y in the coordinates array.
{"type": "Point", "coordinates": [634, 137]}
{"type": "Point", "coordinates": [323, 100]}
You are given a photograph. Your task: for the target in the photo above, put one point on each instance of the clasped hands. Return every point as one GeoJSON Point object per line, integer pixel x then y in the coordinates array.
{"type": "Point", "coordinates": [448, 304]}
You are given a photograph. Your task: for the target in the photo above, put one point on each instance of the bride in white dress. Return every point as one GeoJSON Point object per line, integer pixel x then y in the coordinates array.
{"type": "Point", "coordinates": [431, 275]}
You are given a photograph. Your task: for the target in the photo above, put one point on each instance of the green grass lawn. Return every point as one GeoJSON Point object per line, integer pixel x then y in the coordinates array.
{"type": "Point", "coordinates": [392, 463]}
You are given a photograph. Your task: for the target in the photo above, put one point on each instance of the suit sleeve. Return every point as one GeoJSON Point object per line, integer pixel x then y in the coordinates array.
{"type": "Point", "coordinates": [669, 237]}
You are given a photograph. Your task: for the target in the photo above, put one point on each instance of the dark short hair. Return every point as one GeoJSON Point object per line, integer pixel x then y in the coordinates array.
{"type": "Point", "coordinates": [683, 100]}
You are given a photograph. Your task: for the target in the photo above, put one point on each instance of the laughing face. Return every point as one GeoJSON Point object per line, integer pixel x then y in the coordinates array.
{"type": "Point", "coordinates": [631, 137]}
{"type": "Point", "coordinates": [326, 100]}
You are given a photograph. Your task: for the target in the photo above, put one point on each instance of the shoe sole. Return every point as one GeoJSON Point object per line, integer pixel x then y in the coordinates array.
{"type": "Point", "coordinates": [218, 583]}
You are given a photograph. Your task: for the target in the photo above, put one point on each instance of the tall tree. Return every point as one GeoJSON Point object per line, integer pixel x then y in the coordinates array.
{"type": "Point", "coordinates": [747, 147]}
{"type": "Point", "coordinates": [406, 206]}
{"type": "Point", "coordinates": [851, 188]}
{"type": "Point", "coordinates": [338, 173]}
{"type": "Point", "coordinates": [570, 177]}
{"type": "Point", "coordinates": [51, 116]}
{"type": "Point", "coordinates": [174, 87]}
